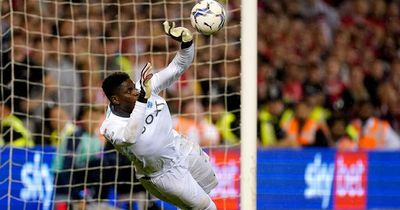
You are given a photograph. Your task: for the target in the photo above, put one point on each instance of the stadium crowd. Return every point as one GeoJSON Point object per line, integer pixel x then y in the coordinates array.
{"type": "Point", "coordinates": [60, 58]}
{"type": "Point", "coordinates": [328, 75]}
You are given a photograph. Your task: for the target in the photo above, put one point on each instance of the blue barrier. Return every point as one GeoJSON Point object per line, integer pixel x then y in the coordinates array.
{"type": "Point", "coordinates": [281, 180]}
{"type": "Point", "coordinates": [384, 180]}
{"type": "Point", "coordinates": [286, 179]}
{"type": "Point", "coordinates": [26, 181]}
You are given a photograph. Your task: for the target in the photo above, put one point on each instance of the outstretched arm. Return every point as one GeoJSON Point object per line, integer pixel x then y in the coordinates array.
{"type": "Point", "coordinates": [174, 70]}
{"type": "Point", "coordinates": [181, 61]}
{"type": "Point", "coordinates": [135, 124]}
{"type": "Point", "coordinates": [121, 134]}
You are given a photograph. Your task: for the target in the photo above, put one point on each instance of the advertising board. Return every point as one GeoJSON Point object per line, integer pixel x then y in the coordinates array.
{"type": "Point", "coordinates": [26, 178]}
{"type": "Point", "coordinates": [286, 179]}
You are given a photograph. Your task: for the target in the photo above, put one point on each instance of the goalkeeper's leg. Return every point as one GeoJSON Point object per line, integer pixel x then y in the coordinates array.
{"type": "Point", "coordinates": [178, 187]}
{"type": "Point", "coordinates": [198, 163]}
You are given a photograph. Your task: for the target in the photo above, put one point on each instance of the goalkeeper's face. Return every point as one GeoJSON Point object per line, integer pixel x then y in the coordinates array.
{"type": "Point", "coordinates": [126, 96]}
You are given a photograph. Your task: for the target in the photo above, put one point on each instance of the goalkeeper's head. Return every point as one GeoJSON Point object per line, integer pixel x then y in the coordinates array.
{"type": "Point", "coordinates": [120, 91]}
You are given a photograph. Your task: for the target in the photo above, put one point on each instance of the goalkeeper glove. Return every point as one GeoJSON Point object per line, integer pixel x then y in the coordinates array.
{"type": "Point", "coordinates": [180, 34]}
{"type": "Point", "coordinates": [145, 84]}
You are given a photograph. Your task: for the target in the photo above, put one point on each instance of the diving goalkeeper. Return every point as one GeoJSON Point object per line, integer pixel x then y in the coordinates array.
{"type": "Point", "coordinates": [139, 125]}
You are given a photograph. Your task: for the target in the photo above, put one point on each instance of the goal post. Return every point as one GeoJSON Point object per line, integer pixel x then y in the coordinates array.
{"type": "Point", "coordinates": [248, 146]}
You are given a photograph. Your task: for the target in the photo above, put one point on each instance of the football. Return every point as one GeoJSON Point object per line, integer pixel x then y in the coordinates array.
{"type": "Point", "coordinates": [208, 17]}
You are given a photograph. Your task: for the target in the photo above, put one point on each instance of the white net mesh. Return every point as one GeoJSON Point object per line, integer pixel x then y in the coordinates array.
{"type": "Point", "coordinates": [55, 55]}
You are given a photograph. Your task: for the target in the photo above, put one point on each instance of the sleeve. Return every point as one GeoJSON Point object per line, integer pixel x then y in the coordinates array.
{"type": "Point", "coordinates": [174, 70]}
{"type": "Point", "coordinates": [128, 134]}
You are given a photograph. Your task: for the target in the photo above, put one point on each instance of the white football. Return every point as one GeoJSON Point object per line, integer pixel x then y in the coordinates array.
{"type": "Point", "coordinates": [208, 16]}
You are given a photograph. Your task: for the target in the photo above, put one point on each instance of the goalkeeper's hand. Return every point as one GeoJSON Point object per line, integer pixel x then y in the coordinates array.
{"type": "Point", "coordinates": [145, 84]}
{"type": "Point", "coordinates": [180, 34]}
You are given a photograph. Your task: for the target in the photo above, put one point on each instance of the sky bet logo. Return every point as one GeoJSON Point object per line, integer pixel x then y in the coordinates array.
{"type": "Point", "coordinates": [350, 180]}
{"type": "Point", "coordinates": [347, 177]}
{"type": "Point", "coordinates": [37, 181]}
{"type": "Point", "coordinates": [318, 177]}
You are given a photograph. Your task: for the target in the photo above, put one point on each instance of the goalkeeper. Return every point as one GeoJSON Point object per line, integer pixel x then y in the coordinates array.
{"type": "Point", "coordinates": [138, 123]}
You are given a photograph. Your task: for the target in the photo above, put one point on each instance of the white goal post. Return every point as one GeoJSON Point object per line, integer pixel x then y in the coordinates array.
{"type": "Point", "coordinates": [248, 145]}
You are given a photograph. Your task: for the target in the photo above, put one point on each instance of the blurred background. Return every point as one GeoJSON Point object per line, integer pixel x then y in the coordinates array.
{"type": "Point", "coordinates": [328, 94]}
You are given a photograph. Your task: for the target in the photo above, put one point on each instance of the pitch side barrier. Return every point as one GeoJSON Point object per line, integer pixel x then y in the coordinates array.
{"type": "Point", "coordinates": [315, 178]}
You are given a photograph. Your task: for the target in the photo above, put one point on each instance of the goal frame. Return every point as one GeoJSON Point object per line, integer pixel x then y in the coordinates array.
{"type": "Point", "coordinates": [248, 111]}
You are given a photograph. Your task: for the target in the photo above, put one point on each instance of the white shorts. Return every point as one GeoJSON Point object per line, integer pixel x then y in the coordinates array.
{"type": "Point", "coordinates": [186, 185]}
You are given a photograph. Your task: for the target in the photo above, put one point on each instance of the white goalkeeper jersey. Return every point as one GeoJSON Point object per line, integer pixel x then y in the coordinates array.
{"type": "Point", "coordinates": [156, 146]}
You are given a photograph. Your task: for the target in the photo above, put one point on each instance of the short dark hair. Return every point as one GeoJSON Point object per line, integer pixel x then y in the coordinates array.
{"type": "Point", "coordinates": [112, 82]}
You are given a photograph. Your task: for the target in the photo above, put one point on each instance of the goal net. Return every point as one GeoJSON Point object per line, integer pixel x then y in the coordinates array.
{"type": "Point", "coordinates": [54, 57]}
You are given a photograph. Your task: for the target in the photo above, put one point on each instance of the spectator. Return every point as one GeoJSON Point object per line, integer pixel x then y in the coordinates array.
{"type": "Point", "coordinates": [356, 89]}
{"type": "Point", "coordinates": [226, 122]}
{"type": "Point", "coordinates": [394, 76]}
{"type": "Point", "coordinates": [375, 76]}
{"type": "Point", "coordinates": [271, 117]}
{"type": "Point", "coordinates": [338, 125]}
{"type": "Point", "coordinates": [13, 132]}
{"type": "Point", "coordinates": [388, 99]}
{"type": "Point", "coordinates": [335, 86]}
{"type": "Point", "coordinates": [91, 80]}
{"type": "Point", "coordinates": [304, 131]}
{"type": "Point", "coordinates": [292, 85]}
{"type": "Point", "coordinates": [34, 86]}
{"type": "Point", "coordinates": [371, 132]}
{"type": "Point", "coordinates": [230, 83]}
{"type": "Point", "coordinates": [326, 15]}
{"type": "Point", "coordinates": [80, 176]}
{"type": "Point", "coordinates": [5, 41]}
{"type": "Point", "coordinates": [315, 98]}
{"type": "Point", "coordinates": [63, 74]}
{"type": "Point", "coordinates": [60, 129]}
{"type": "Point", "coordinates": [193, 124]}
